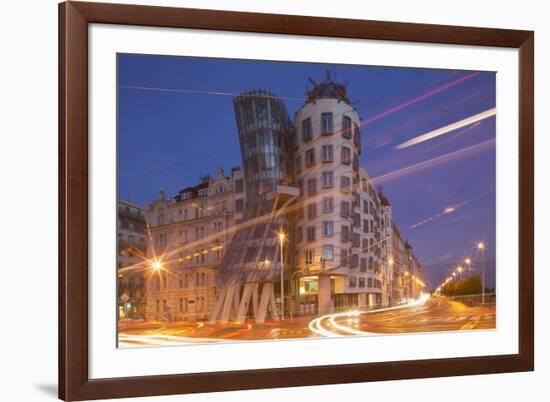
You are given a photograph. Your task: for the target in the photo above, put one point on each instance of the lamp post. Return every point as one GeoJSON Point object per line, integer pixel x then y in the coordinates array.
{"type": "Point", "coordinates": [468, 262]}
{"type": "Point", "coordinates": [481, 247]}
{"type": "Point", "coordinates": [389, 279]}
{"type": "Point", "coordinates": [281, 241]}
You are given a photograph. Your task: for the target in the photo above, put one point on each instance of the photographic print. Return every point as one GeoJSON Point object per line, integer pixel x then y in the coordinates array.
{"type": "Point", "coordinates": [271, 200]}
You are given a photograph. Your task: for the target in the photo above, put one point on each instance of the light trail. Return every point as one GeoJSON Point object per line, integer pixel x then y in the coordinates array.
{"type": "Point", "coordinates": [448, 128]}
{"type": "Point", "coordinates": [316, 325]}
{"type": "Point", "coordinates": [450, 209]}
{"type": "Point", "coordinates": [419, 98]}
{"type": "Point", "coordinates": [128, 340]}
{"type": "Point", "coordinates": [434, 161]}
{"type": "Point", "coordinates": [203, 92]}
{"type": "Point", "coordinates": [459, 134]}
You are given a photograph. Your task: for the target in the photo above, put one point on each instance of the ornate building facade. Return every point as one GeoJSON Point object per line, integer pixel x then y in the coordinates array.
{"type": "Point", "coordinates": [131, 240]}
{"type": "Point", "coordinates": [189, 234]}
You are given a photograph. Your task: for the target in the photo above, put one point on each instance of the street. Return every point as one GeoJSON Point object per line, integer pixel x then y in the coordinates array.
{"type": "Point", "coordinates": [423, 315]}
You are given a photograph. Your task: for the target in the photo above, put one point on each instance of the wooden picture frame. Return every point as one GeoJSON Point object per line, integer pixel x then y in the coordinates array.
{"type": "Point", "coordinates": [74, 381]}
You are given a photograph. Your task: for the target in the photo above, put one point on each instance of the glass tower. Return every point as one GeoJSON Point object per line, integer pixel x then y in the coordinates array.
{"type": "Point", "coordinates": [265, 136]}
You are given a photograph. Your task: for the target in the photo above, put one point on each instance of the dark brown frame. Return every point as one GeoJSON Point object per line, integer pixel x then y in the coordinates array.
{"type": "Point", "coordinates": [74, 17]}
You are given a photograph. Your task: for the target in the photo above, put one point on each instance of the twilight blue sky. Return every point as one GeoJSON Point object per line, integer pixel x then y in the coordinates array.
{"type": "Point", "coordinates": [168, 139]}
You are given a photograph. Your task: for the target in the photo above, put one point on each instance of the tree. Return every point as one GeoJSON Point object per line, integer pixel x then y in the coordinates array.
{"type": "Point", "coordinates": [468, 286]}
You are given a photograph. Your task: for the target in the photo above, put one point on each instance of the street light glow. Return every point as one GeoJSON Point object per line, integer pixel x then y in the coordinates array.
{"type": "Point", "coordinates": [480, 245]}
{"type": "Point", "coordinates": [156, 265]}
{"type": "Point", "coordinates": [281, 236]}
{"type": "Point", "coordinates": [467, 261]}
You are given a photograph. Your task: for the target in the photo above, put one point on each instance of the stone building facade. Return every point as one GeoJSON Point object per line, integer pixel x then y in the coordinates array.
{"type": "Point", "coordinates": [189, 235]}
{"type": "Point", "coordinates": [132, 245]}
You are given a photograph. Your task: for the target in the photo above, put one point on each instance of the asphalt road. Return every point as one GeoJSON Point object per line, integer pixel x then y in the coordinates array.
{"type": "Point", "coordinates": [426, 315]}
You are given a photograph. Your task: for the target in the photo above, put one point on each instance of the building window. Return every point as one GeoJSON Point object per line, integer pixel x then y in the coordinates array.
{"type": "Point", "coordinates": [356, 241]}
{"type": "Point", "coordinates": [357, 137]}
{"type": "Point", "coordinates": [346, 127]}
{"type": "Point", "coordinates": [354, 261]}
{"type": "Point", "coordinates": [250, 255]}
{"type": "Point", "coordinates": [310, 157]}
{"type": "Point", "coordinates": [328, 252]}
{"type": "Point", "coordinates": [307, 134]}
{"type": "Point", "coordinates": [203, 279]}
{"type": "Point", "coordinates": [346, 155]}
{"type": "Point", "coordinates": [328, 204]}
{"type": "Point", "coordinates": [200, 303]}
{"type": "Point", "coordinates": [371, 263]}
{"type": "Point", "coordinates": [310, 233]}
{"type": "Point", "coordinates": [344, 234]}
{"type": "Point", "coordinates": [312, 211]}
{"type": "Point", "coordinates": [157, 308]}
{"type": "Point", "coordinates": [345, 184]}
{"type": "Point", "coordinates": [299, 235]}
{"type": "Point", "coordinates": [300, 186]}
{"type": "Point", "coordinates": [327, 179]}
{"type": "Point", "coordinates": [344, 257]}
{"type": "Point", "coordinates": [298, 164]}
{"type": "Point", "coordinates": [365, 226]}
{"type": "Point", "coordinates": [239, 185]}
{"type": "Point", "coordinates": [328, 153]}
{"type": "Point", "coordinates": [300, 213]}
{"type": "Point", "coordinates": [344, 209]}
{"type": "Point", "coordinates": [326, 123]}
{"type": "Point", "coordinates": [352, 281]}
{"type": "Point", "coordinates": [357, 220]}
{"type": "Point", "coordinates": [311, 186]}
{"type": "Point", "coordinates": [239, 205]}
{"type": "Point", "coordinates": [363, 266]}
{"type": "Point", "coordinates": [309, 255]}
{"type": "Point", "coordinates": [369, 281]}
{"type": "Point", "coordinates": [361, 282]}
{"type": "Point", "coordinates": [328, 228]}
{"type": "Point", "coordinates": [182, 309]}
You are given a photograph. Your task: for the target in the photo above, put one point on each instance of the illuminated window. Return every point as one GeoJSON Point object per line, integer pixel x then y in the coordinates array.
{"type": "Point", "coordinates": [328, 252]}
{"type": "Point", "coordinates": [328, 228]}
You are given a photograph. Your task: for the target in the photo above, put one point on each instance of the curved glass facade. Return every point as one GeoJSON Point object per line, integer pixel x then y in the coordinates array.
{"type": "Point", "coordinates": [265, 136]}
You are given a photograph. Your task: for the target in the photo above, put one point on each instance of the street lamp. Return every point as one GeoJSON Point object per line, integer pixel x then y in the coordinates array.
{"type": "Point", "coordinates": [459, 269]}
{"type": "Point", "coordinates": [156, 265]}
{"type": "Point", "coordinates": [282, 236]}
{"type": "Point", "coordinates": [389, 279]}
{"type": "Point", "coordinates": [468, 262]}
{"type": "Point", "coordinates": [481, 247]}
